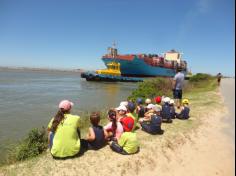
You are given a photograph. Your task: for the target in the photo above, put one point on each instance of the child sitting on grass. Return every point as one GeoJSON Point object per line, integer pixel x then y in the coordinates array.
{"type": "Point", "coordinates": [158, 101]}
{"type": "Point", "coordinates": [152, 121]}
{"type": "Point", "coordinates": [113, 128]}
{"type": "Point", "coordinates": [121, 112]}
{"type": "Point", "coordinates": [128, 143]}
{"type": "Point", "coordinates": [172, 109]}
{"type": "Point", "coordinates": [148, 101]}
{"type": "Point", "coordinates": [185, 110]}
{"type": "Point", "coordinates": [64, 140]}
{"type": "Point", "coordinates": [140, 109]}
{"type": "Point", "coordinates": [165, 113]}
{"type": "Point", "coordinates": [96, 135]}
{"type": "Point", "coordinates": [131, 107]}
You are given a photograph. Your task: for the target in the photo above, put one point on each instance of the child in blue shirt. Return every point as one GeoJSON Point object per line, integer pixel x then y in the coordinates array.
{"type": "Point", "coordinates": [185, 110]}
{"type": "Point", "coordinates": [96, 137]}
{"type": "Point", "coordinates": [140, 109]}
{"type": "Point", "coordinates": [166, 110]}
{"type": "Point", "coordinates": [172, 109]}
{"type": "Point", "coordinates": [152, 121]}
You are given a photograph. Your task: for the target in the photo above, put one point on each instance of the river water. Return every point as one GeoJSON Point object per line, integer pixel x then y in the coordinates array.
{"type": "Point", "coordinates": [29, 99]}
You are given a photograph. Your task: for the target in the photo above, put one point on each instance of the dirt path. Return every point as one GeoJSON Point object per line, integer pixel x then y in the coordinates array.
{"type": "Point", "coordinates": [212, 150]}
{"type": "Point", "coordinates": [228, 92]}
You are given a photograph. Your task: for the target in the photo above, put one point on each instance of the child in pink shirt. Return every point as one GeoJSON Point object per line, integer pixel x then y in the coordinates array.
{"type": "Point", "coordinates": [114, 128]}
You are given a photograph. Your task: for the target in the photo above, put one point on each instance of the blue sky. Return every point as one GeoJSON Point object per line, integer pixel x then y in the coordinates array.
{"type": "Point", "coordinates": [76, 33]}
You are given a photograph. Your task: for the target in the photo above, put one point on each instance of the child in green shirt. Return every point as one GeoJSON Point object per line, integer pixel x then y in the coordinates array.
{"type": "Point", "coordinates": [128, 143]}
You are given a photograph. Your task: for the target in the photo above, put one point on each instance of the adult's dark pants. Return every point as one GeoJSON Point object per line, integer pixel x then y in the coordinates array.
{"type": "Point", "coordinates": [177, 94]}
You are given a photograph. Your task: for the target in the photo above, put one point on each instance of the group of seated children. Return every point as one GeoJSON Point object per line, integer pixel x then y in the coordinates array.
{"type": "Point", "coordinates": [162, 111]}
{"type": "Point", "coordinates": [64, 135]}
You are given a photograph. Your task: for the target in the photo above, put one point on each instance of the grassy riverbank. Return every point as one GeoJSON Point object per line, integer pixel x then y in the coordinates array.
{"type": "Point", "coordinates": [204, 98]}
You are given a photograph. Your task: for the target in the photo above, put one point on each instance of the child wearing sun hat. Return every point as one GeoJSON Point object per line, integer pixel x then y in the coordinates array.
{"type": "Point", "coordinates": [152, 122]}
{"type": "Point", "coordinates": [63, 132]}
{"type": "Point", "coordinates": [166, 110]}
{"type": "Point", "coordinates": [121, 111]}
{"type": "Point", "coordinates": [185, 110]}
{"type": "Point", "coordinates": [128, 143]}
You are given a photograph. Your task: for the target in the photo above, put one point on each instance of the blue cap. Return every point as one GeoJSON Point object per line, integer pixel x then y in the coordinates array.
{"type": "Point", "coordinates": [131, 106]}
{"type": "Point", "coordinates": [139, 100]}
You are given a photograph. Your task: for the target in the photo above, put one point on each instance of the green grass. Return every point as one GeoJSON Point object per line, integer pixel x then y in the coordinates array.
{"type": "Point", "coordinates": [151, 88]}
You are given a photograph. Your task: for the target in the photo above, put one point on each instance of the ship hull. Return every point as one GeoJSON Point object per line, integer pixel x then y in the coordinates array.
{"type": "Point", "coordinates": [138, 68]}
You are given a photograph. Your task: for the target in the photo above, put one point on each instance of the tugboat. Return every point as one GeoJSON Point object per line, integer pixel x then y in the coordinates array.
{"type": "Point", "coordinates": [111, 74]}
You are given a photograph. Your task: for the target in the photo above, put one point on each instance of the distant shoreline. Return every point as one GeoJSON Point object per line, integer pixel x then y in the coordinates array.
{"type": "Point", "coordinates": [5, 68]}
{"type": "Point", "coordinates": [79, 70]}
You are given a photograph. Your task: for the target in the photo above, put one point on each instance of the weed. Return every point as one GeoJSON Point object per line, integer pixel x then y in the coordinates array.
{"type": "Point", "coordinates": [151, 88]}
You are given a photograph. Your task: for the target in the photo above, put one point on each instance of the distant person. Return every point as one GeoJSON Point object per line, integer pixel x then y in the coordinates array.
{"type": "Point", "coordinates": [114, 127]}
{"type": "Point", "coordinates": [178, 83]}
{"type": "Point", "coordinates": [96, 135]}
{"type": "Point", "coordinates": [128, 143]}
{"type": "Point", "coordinates": [185, 110]}
{"type": "Point", "coordinates": [63, 132]}
{"type": "Point", "coordinates": [219, 76]}
{"type": "Point", "coordinates": [152, 122]}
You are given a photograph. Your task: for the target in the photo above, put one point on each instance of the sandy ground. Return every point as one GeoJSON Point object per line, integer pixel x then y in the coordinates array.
{"type": "Point", "coordinates": [212, 150]}
{"type": "Point", "coordinates": [207, 151]}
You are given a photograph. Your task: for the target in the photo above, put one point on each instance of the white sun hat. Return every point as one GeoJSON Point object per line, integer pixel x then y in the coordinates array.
{"type": "Point", "coordinates": [150, 106]}
{"type": "Point", "coordinates": [156, 108]}
{"type": "Point", "coordinates": [166, 100]}
{"type": "Point", "coordinates": [148, 101]}
{"type": "Point", "coordinates": [172, 101]}
{"type": "Point", "coordinates": [121, 108]}
{"type": "Point", "coordinates": [124, 103]}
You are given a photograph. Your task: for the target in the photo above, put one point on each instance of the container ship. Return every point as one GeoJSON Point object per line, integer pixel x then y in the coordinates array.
{"type": "Point", "coordinates": [146, 65]}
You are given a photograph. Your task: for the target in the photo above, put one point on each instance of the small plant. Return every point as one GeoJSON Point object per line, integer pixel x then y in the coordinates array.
{"type": "Point", "coordinates": [151, 88]}
{"type": "Point", "coordinates": [200, 77]}
{"type": "Point", "coordinates": [33, 145]}
{"type": "Point", "coordinates": [202, 81]}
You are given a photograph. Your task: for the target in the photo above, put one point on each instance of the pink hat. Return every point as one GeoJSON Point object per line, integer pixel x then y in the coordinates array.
{"type": "Point", "coordinates": [66, 105]}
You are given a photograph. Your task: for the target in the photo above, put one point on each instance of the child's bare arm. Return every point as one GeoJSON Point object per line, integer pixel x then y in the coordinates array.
{"type": "Point", "coordinates": [105, 133]}
{"type": "Point", "coordinates": [90, 135]}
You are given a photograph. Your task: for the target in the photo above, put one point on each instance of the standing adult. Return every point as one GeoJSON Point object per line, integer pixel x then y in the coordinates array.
{"type": "Point", "coordinates": [219, 76]}
{"type": "Point", "coordinates": [178, 83]}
